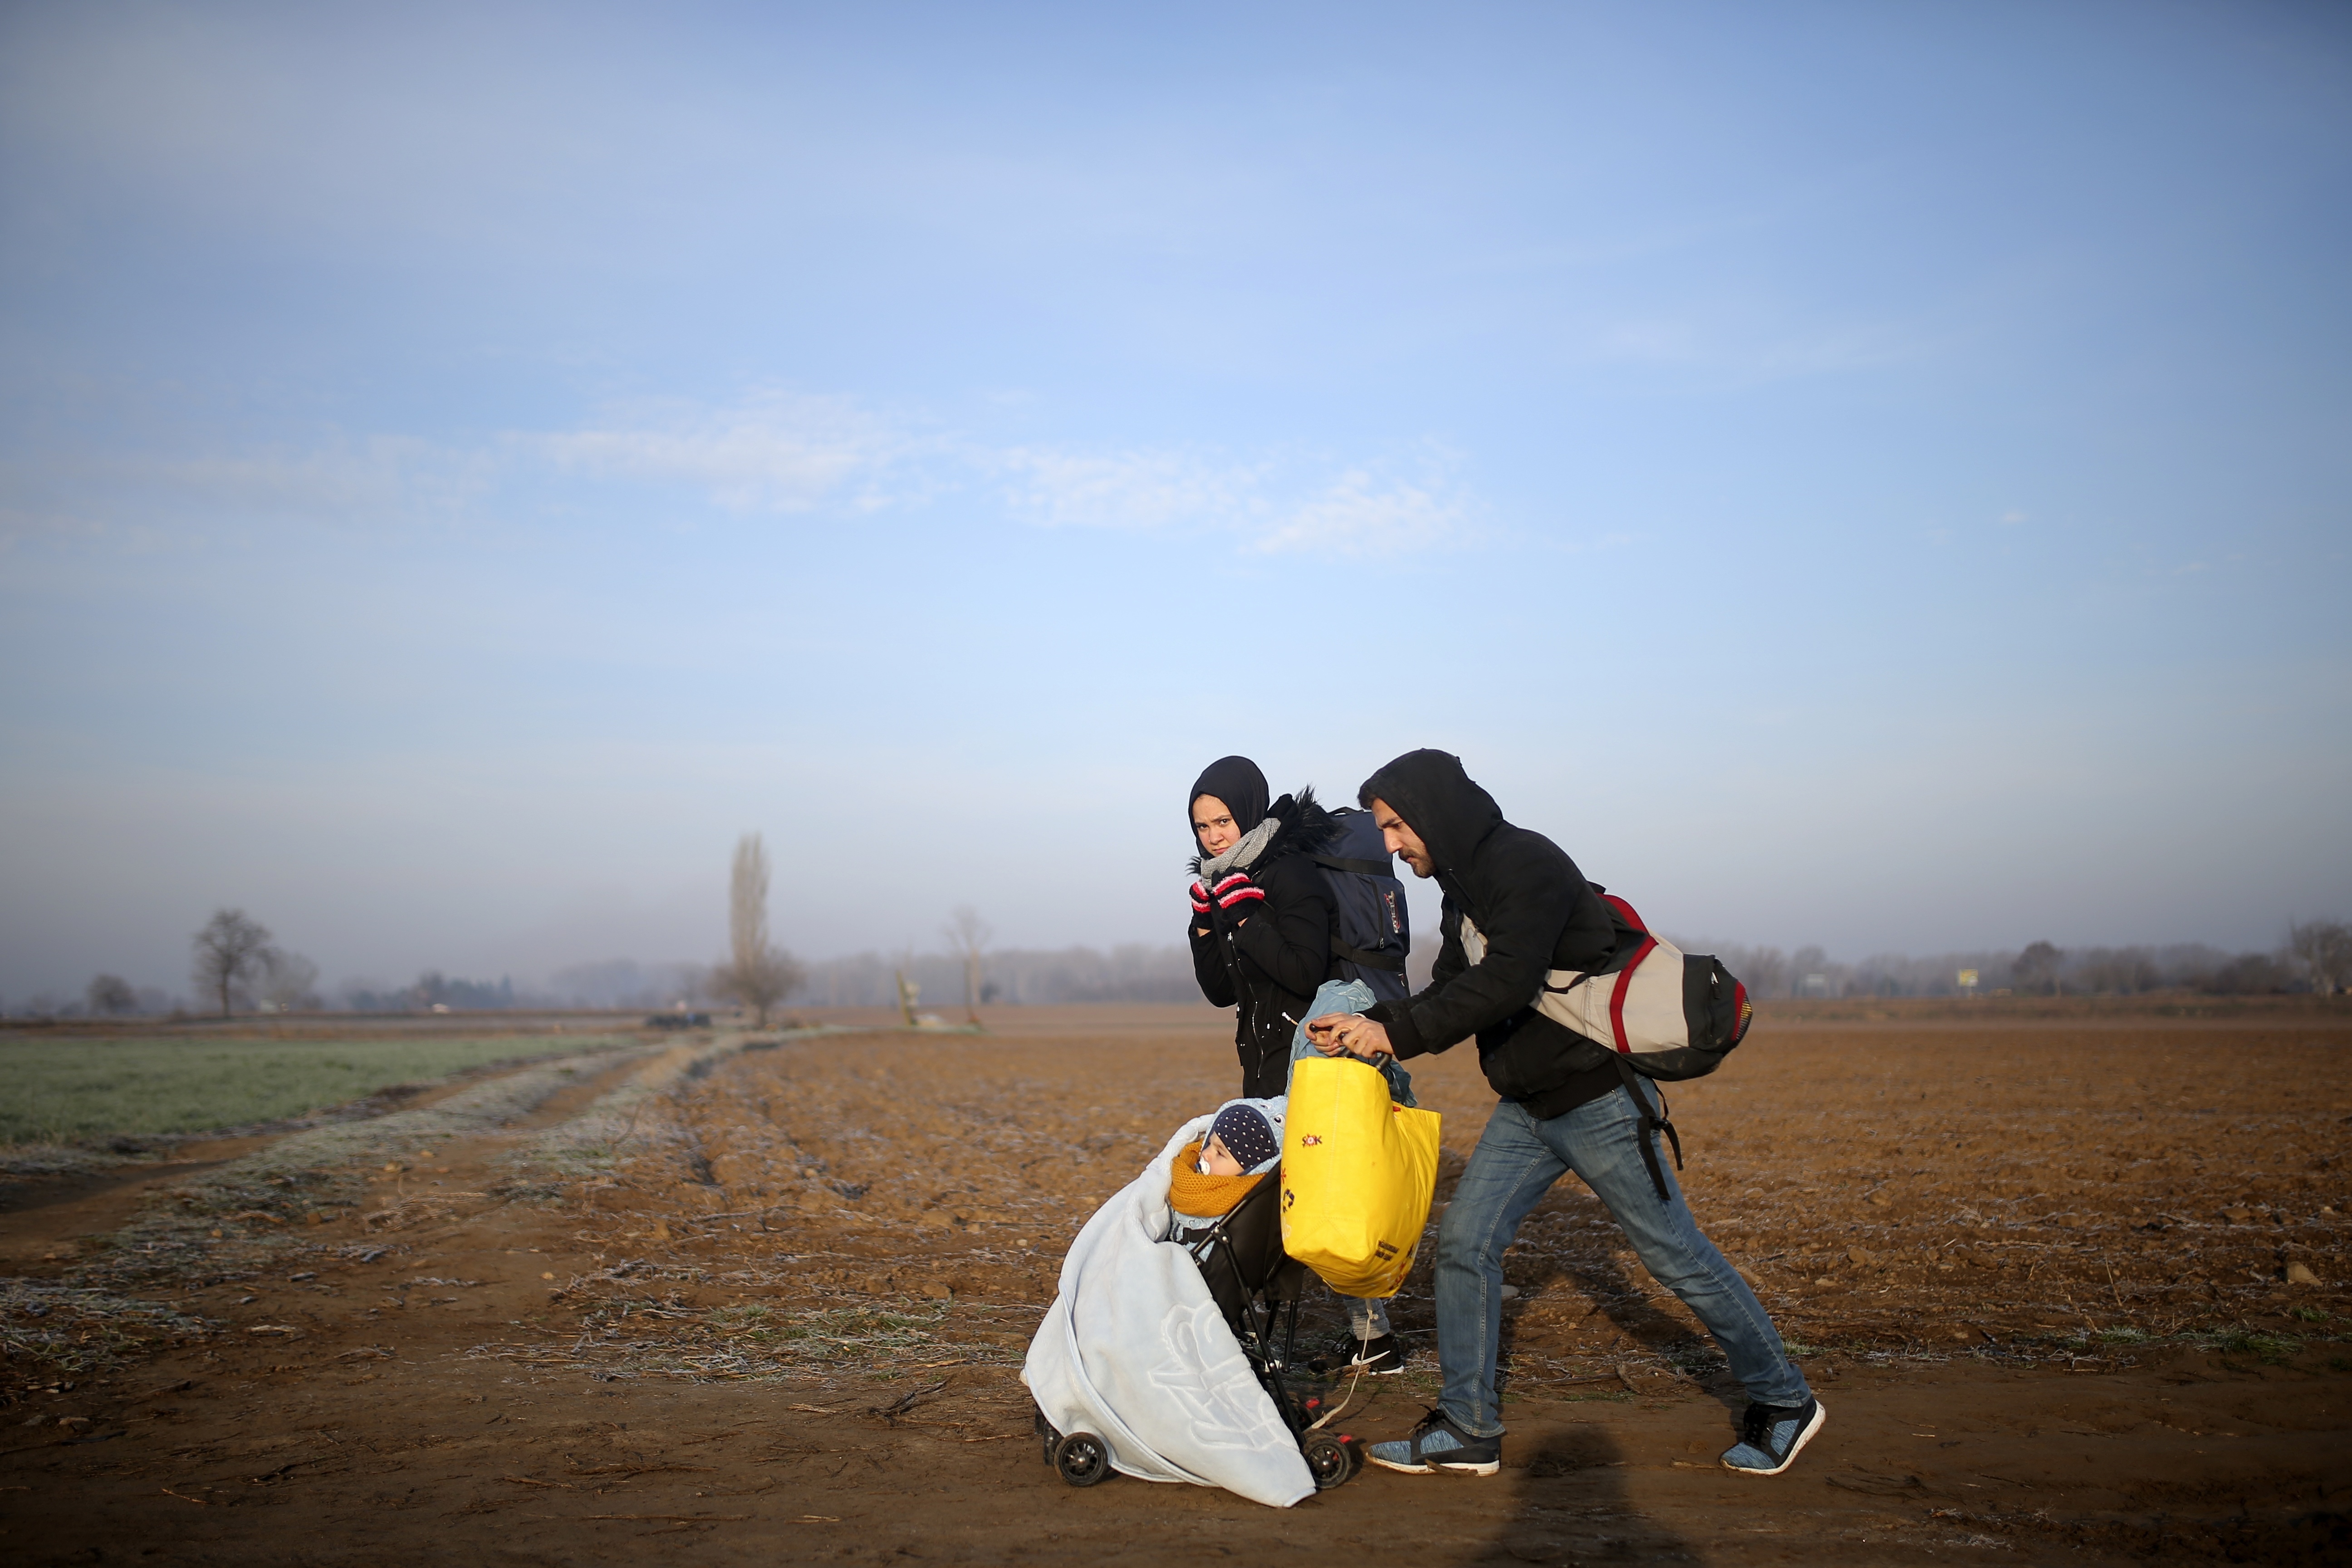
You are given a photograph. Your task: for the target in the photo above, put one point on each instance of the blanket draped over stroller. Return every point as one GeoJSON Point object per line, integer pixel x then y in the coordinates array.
{"type": "Point", "coordinates": [1135, 1349]}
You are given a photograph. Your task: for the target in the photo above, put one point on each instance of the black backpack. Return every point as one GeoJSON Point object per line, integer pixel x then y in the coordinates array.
{"type": "Point", "coordinates": [1371, 932]}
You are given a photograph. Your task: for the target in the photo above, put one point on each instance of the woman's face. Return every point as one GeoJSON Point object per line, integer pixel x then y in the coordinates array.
{"type": "Point", "coordinates": [1212, 824]}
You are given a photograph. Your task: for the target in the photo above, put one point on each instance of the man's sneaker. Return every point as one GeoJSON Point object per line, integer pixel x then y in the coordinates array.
{"type": "Point", "coordinates": [1378, 1357]}
{"type": "Point", "coordinates": [1771, 1437]}
{"type": "Point", "coordinates": [1437, 1444]}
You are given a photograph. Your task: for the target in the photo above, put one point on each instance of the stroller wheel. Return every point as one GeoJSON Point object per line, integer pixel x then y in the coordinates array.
{"type": "Point", "coordinates": [1329, 1460]}
{"type": "Point", "coordinates": [1083, 1459]}
{"type": "Point", "coordinates": [1049, 1439]}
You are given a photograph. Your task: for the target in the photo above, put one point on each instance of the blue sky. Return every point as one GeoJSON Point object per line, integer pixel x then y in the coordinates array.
{"type": "Point", "coordinates": [1867, 475]}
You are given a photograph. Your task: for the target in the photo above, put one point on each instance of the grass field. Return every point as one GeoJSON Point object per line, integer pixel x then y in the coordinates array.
{"type": "Point", "coordinates": [60, 1090]}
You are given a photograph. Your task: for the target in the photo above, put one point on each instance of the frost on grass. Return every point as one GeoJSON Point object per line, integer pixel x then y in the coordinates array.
{"type": "Point", "coordinates": [49, 1330]}
{"type": "Point", "coordinates": [104, 1093]}
{"type": "Point", "coordinates": [54, 1158]}
{"type": "Point", "coordinates": [237, 1219]}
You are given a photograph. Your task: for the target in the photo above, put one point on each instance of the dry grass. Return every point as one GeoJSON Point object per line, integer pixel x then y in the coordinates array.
{"type": "Point", "coordinates": [2039, 1191]}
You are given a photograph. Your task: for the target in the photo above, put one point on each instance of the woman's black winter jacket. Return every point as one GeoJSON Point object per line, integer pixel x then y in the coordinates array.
{"type": "Point", "coordinates": [1535, 911]}
{"type": "Point", "coordinates": [1268, 958]}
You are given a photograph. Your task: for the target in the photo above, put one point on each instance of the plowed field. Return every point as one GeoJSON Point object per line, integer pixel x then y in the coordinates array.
{"type": "Point", "coordinates": [2039, 1270]}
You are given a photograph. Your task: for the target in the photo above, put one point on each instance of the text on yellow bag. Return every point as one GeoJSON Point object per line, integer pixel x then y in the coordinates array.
{"type": "Point", "coordinates": [1357, 1174]}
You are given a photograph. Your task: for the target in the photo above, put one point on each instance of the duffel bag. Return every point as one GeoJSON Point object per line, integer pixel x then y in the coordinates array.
{"type": "Point", "coordinates": [1669, 1014]}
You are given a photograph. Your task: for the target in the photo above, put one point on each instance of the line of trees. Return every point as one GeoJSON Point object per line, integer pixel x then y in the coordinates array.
{"type": "Point", "coordinates": [1136, 971]}
{"type": "Point", "coordinates": [2318, 957]}
{"type": "Point", "coordinates": [239, 967]}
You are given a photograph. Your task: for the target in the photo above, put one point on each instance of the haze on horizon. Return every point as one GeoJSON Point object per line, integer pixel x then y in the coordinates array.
{"type": "Point", "coordinates": [1864, 476]}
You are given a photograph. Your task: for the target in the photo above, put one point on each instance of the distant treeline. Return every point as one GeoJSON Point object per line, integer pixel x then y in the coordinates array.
{"type": "Point", "coordinates": [2319, 958]}
{"type": "Point", "coordinates": [1140, 973]}
{"type": "Point", "coordinates": [1019, 976]}
{"type": "Point", "coordinates": [1015, 975]}
{"type": "Point", "coordinates": [433, 989]}
{"type": "Point", "coordinates": [2039, 969]}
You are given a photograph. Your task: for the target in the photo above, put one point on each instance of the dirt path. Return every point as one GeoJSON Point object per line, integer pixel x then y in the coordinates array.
{"type": "Point", "coordinates": [421, 1455]}
{"type": "Point", "coordinates": [683, 1347]}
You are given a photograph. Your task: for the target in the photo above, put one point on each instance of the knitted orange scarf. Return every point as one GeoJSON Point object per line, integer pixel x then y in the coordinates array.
{"type": "Point", "coordinates": [1205, 1197]}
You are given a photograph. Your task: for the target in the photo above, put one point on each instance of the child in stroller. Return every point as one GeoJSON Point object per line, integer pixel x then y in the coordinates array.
{"type": "Point", "coordinates": [1242, 1413]}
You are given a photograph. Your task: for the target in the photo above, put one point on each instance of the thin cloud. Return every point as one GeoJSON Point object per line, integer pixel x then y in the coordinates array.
{"type": "Point", "coordinates": [773, 453]}
{"type": "Point", "coordinates": [1129, 490]}
{"type": "Point", "coordinates": [1357, 511]}
{"type": "Point", "coordinates": [1360, 514]}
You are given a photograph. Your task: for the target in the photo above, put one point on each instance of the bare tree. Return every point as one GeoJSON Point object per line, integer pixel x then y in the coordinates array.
{"type": "Point", "coordinates": [2123, 971]}
{"type": "Point", "coordinates": [230, 950]}
{"type": "Point", "coordinates": [968, 936]}
{"type": "Point", "coordinates": [2325, 949]}
{"type": "Point", "coordinates": [110, 994]}
{"type": "Point", "coordinates": [2037, 965]}
{"type": "Point", "coordinates": [289, 981]}
{"type": "Point", "coordinates": [757, 974]}
{"type": "Point", "coordinates": [1767, 972]}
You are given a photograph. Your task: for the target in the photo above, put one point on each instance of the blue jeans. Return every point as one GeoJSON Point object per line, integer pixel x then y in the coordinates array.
{"type": "Point", "coordinates": [1518, 1160]}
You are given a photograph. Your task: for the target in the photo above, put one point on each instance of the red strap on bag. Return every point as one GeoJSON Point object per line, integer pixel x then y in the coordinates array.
{"type": "Point", "coordinates": [1625, 975]}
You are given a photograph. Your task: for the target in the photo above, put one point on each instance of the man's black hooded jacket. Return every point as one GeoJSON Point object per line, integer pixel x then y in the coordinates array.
{"type": "Point", "coordinates": [1535, 911]}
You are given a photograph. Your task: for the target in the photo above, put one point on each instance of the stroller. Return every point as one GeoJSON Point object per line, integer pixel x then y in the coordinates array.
{"type": "Point", "coordinates": [1256, 1287]}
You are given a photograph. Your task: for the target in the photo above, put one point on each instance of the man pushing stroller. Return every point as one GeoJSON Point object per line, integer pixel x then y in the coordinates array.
{"type": "Point", "coordinates": [1567, 1104]}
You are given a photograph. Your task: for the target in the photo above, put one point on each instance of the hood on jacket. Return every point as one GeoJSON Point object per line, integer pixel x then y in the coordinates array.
{"type": "Point", "coordinates": [1237, 782]}
{"type": "Point", "coordinates": [1438, 801]}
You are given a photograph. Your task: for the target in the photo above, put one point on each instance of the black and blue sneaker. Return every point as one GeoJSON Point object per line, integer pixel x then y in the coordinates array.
{"type": "Point", "coordinates": [1437, 1444]}
{"type": "Point", "coordinates": [1771, 1436]}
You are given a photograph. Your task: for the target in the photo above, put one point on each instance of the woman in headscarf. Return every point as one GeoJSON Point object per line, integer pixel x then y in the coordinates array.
{"type": "Point", "coordinates": [1261, 926]}
{"type": "Point", "coordinates": [1261, 934]}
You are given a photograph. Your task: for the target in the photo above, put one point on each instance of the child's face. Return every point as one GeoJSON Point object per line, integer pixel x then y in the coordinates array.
{"type": "Point", "coordinates": [1217, 1160]}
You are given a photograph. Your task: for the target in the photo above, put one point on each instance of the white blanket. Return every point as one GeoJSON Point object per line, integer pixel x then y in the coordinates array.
{"type": "Point", "coordinates": [1134, 1351]}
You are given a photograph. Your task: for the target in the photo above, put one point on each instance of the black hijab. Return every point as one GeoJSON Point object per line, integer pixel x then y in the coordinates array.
{"type": "Point", "coordinates": [1235, 781]}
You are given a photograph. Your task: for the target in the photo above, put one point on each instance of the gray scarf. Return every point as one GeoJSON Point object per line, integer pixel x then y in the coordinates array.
{"type": "Point", "coordinates": [1240, 857]}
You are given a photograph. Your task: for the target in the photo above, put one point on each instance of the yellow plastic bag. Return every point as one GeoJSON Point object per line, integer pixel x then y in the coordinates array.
{"type": "Point", "coordinates": [1357, 1174]}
